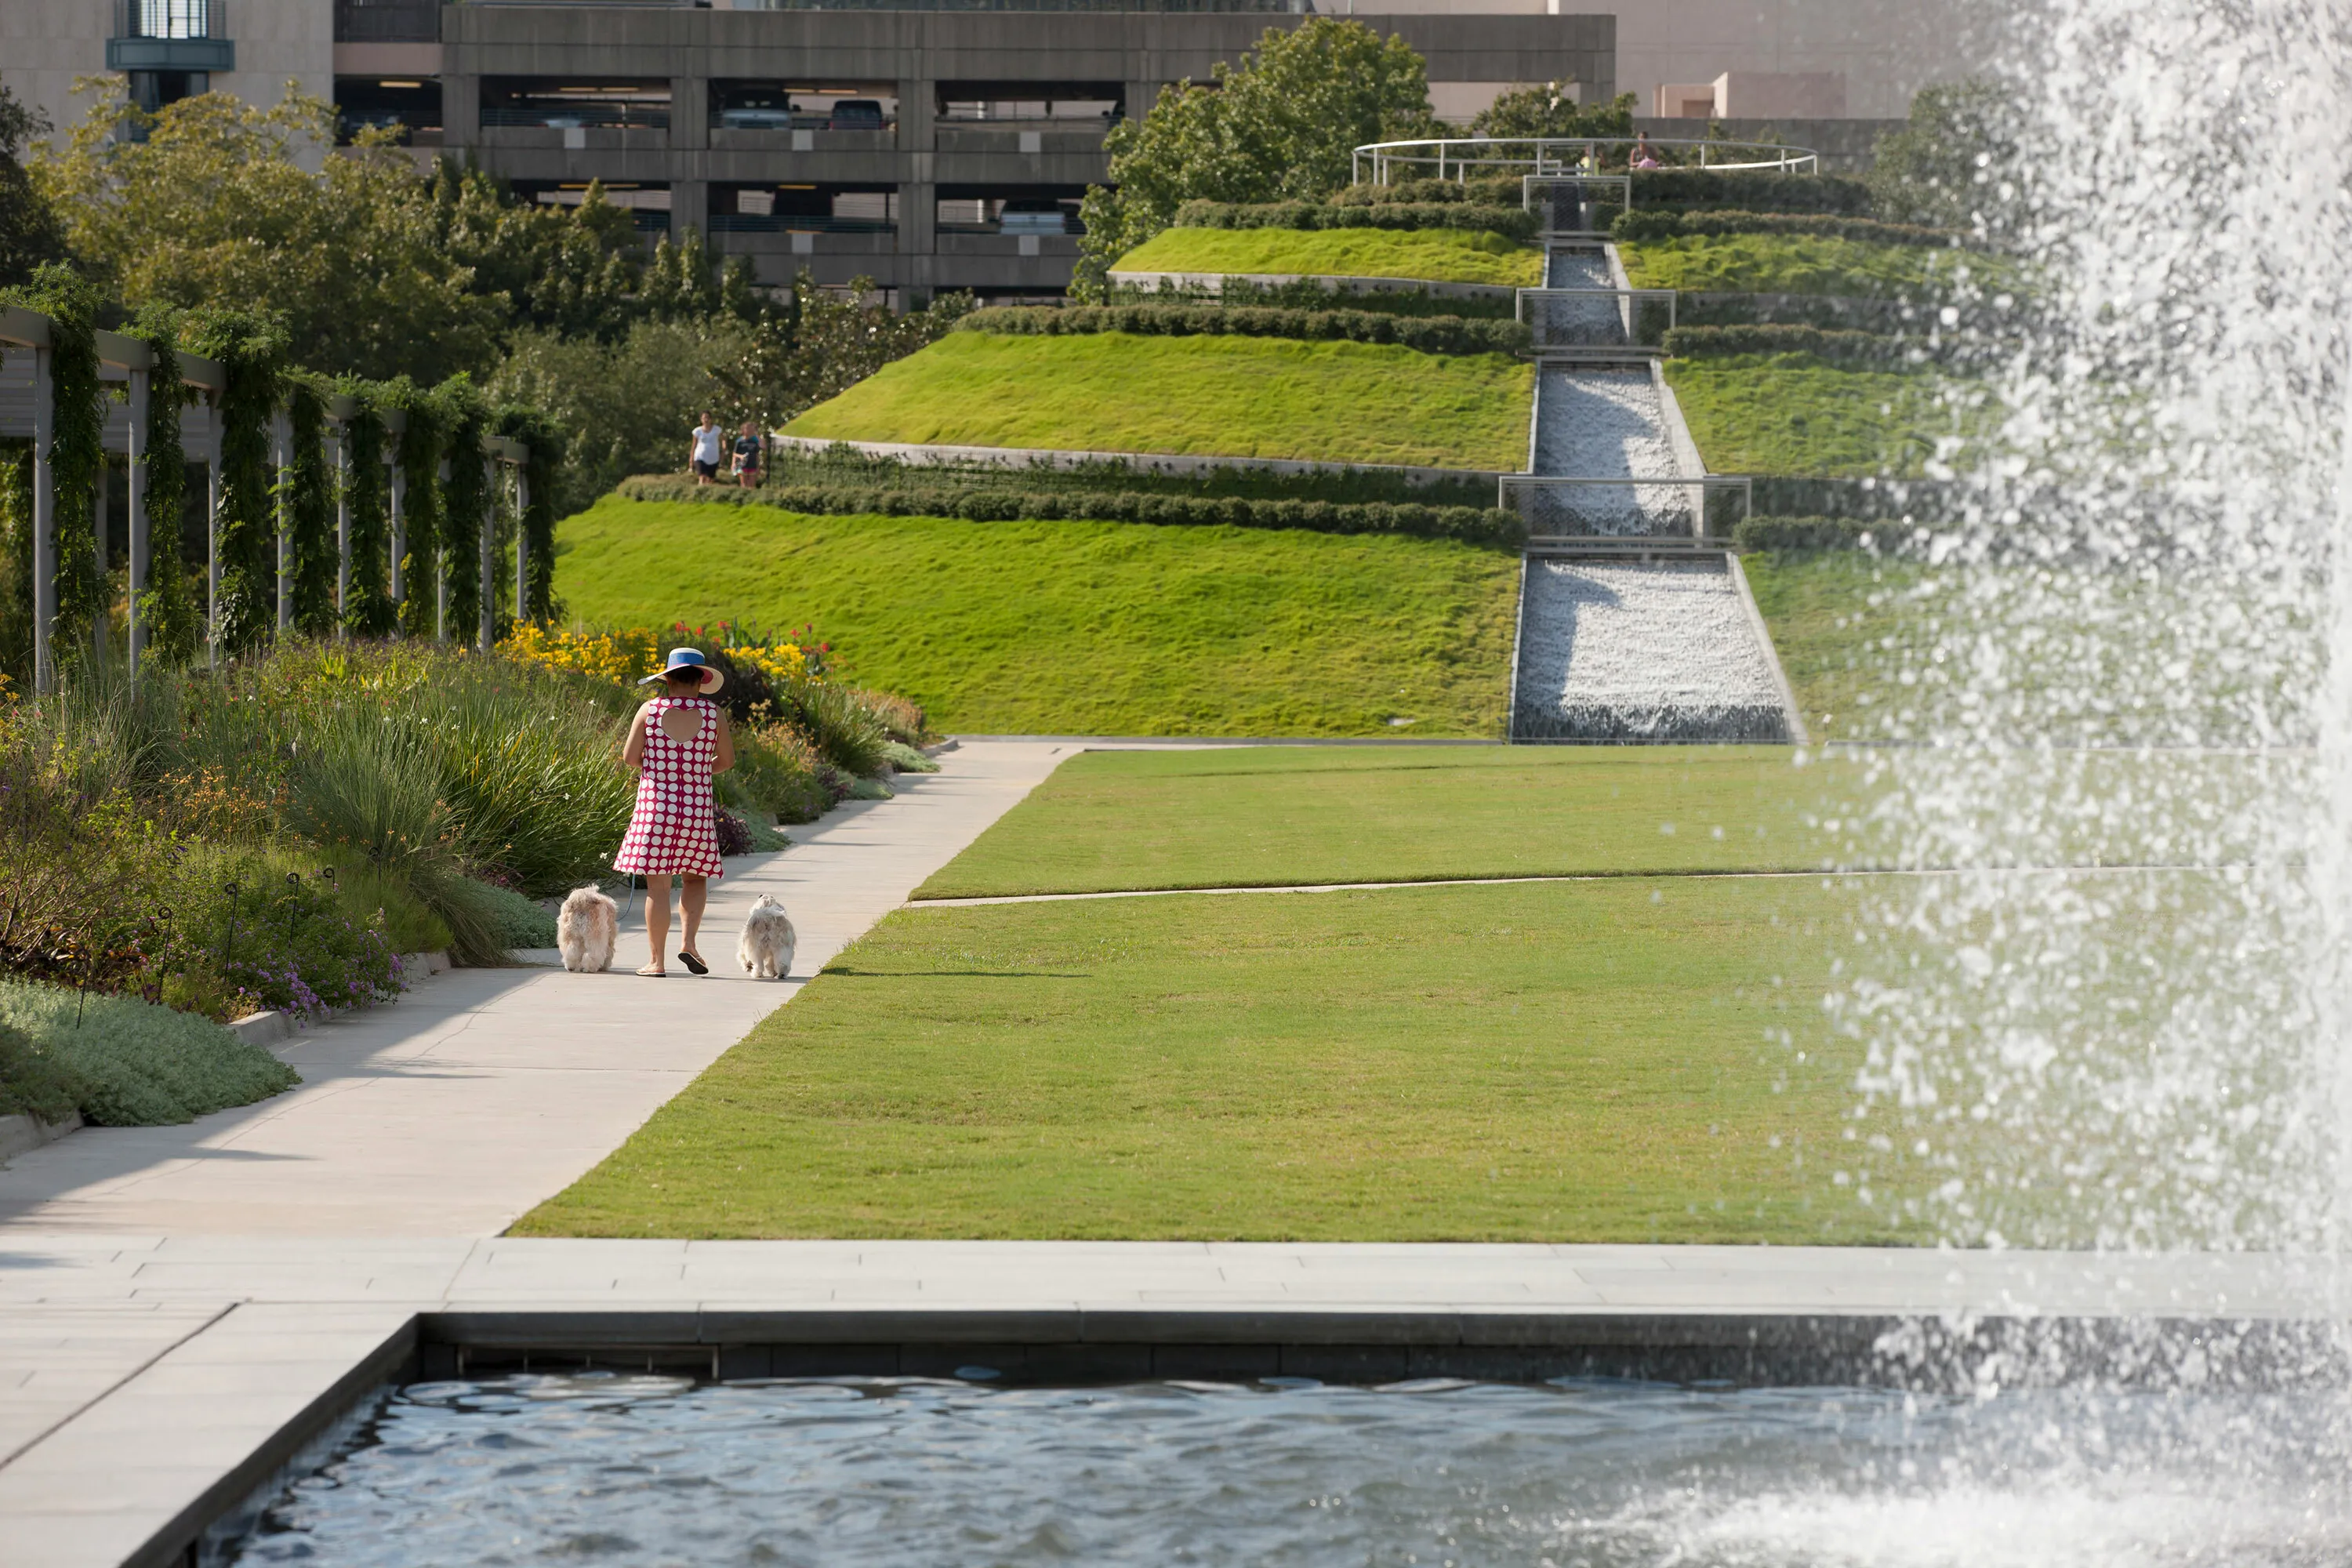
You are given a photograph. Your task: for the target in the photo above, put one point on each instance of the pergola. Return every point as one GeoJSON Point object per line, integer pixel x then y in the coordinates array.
{"type": "Point", "coordinates": [29, 411]}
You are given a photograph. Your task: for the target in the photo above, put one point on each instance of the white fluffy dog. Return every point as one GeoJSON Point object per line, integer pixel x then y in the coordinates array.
{"type": "Point", "coordinates": [585, 930]}
{"type": "Point", "coordinates": [766, 951]}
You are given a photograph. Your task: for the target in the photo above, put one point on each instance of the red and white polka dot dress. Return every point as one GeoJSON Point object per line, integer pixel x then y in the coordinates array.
{"type": "Point", "coordinates": [672, 831]}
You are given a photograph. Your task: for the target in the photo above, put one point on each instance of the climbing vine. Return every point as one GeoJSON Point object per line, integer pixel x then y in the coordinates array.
{"type": "Point", "coordinates": [540, 435]}
{"type": "Point", "coordinates": [368, 609]}
{"type": "Point", "coordinates": [420, 478]}
{"type": "Point", "coordinates": [251, 348]}
{"type": "Point", "coordinates": [310, 511]}
{"type": "Point", "coordinates": [466, 507]}
{"type": "Point", "coordinates": [167, 610]}
{"type": "Point", "coordinates": [76, 454]}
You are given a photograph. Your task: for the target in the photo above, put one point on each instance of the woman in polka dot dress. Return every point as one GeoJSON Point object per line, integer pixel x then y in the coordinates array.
{"type": "Point", "coordinates": [677, 743]}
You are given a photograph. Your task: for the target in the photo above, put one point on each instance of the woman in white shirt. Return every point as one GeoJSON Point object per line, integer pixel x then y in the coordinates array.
{"type": "Point", "coordinates": [708, 441]}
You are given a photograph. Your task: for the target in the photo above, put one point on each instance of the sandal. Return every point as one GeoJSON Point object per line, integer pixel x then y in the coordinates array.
{"type": "Point", "coordinates": [653, 972]}
{"type": "Point", "coordinates": [691, 962]}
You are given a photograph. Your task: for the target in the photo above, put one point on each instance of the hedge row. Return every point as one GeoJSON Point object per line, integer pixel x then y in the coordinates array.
{"type": "Point", "coordinates": [1641, 224]}
{"type": "Point", "coordinates": [1480, 525]}
{"type": "Point", "coordinates": [1429, 334]}
{"type": "Point", "coordinates": [1866, 501]}
{"type": "Point", "coordinates": [1838, 347]}
{"type": "Point", "coordinates": [1510, 221]}
{"type": "Point", "coordinates": [1750, 192]}
{"type": "Point", "coordinates": [1843, 313]}
{"type": "Point", "coordinates": [1498, 191]}
{"type": "Point", "coordinates": [1307, 295]}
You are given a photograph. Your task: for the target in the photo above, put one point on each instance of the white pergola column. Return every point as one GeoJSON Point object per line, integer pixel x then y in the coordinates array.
{"type": "Point", "coordinates": [135, 498]}
{"type": "Point", "coordinates": [441, 565]}
{"type": "Point", "coordinates": [45, 522]}
{"type": "Point", "coordinates": [281, 446]}
{"type": "Point", "coordinates": [212, 536]}
{"type": "Point", "coordinates": [523, 544]}
{"type": "Point", "coordinates": [399, 517]}
{"type": "Point", "coordinates": [486, 593]}
{"type": "Point", "coordinates": [342, 528]}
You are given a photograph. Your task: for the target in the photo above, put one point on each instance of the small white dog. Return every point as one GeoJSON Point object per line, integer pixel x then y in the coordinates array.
{"type": "Point", "coordinates": [766, 951]}
{"type": "Point", "coordinates": [585, 930]}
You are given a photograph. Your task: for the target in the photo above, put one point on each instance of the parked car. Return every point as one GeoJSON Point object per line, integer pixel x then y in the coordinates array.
{"type": "Point", "coordinates": [1034, 217]}
{"type": "Point", "coordinates": [856, 114]}
{"type": "Point", "coordinates": [756, 118]}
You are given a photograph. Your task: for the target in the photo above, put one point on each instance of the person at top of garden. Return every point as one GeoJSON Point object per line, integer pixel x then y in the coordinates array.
{"type": "Point", "coordinates": [675, 743]}
{"type": "Point", "coordinates": [1642, 158]}
{"type": "Point", "coordinates": [747, 456]}
{"type": "Point", "coordinates": [704, 459]}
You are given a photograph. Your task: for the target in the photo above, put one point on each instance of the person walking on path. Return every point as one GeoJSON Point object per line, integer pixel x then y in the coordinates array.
{"type": "Point", "coordinates": [704, 460]}
{"type": "Point", "coordinates": [747, 456]}
{"type": "Point", "coordinates": [675, 743]}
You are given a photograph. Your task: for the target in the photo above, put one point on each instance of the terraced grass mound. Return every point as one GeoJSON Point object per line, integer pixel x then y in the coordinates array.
{"type": "Point", "coordinates": [1241, 397]}
{"type": "Point", "coordinates": [1794, 415]}
{"type": "Point", "coordinates": [1799, 264]}
{"type": "Point", "coordinates": [1083, 628]}
{"type": "Point", "coordinates": [1273, 816]}
{"type": "Point", "coordinates": [1617, 1061]}
{"type": "Point", "coordinates": [1439, 256]}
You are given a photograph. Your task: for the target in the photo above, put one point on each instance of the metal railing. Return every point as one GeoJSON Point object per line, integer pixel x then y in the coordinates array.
{"type": "Point", "coordinates": [387, 21]}
{"type": "Point", "coordinates": [791, 223]}
{"type": "Point", "coordinates": [171, 19]}
{"type": "Point", "coordinates": [1575, 192]}
{"type": "Point", "coordinates": [1595, 318]}
{"type": "Point", "coordinates": [777, 120]}
{"type": "Point", "coordinates": [1467, 157]}
{"type": "Point", "coordinates": [1675, 513]}
{"type": "Point", "coordinates": [577, 117]}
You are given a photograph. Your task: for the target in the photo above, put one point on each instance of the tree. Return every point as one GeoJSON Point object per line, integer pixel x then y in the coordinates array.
{"type": "Point", "coordinates": [1945, 166]}
{"type": "Point", "coordinates": [568, 270]}
{"type": "Point", "coordinates": [1282, 124]}
{"type": "Point", "coordinates": [1551, 110]}
{"type": "Point", "coordinates": [210, 202]}
{"type": "Point", "coordinates": [30, 233]}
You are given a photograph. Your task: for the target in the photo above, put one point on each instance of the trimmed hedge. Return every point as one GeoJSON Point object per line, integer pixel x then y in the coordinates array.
{"type": "Point", "coordinates": [1428, 334]}
{"type": "Point", "coordinates": [1835, 312]}
{"type": "Point", "coordinates": [129, 1063]}
{"type": "Point", "coordinates": [912, 498]}
{"type": "Point", "coordinates": [1836, 347]}
{"type": "Point", "coordinates": [1754, 192]}
{"type": "Point", "coordinates": [1639, 225]}
{"type": "Point", "coordinates": [1306, 295]}
{"type": "Point", "coordinates": [843, 465]}
{"type": "Point", "coordinates": [1510, 221]}
{"type": "Point", "coordinates": [1498, 191]}
{"type": "Point", "coordinates": [1863, 501]}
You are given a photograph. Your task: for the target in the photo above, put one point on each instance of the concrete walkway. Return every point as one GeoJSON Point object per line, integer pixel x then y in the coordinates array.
{"type": "Point", "coordinates": [484, 1091]}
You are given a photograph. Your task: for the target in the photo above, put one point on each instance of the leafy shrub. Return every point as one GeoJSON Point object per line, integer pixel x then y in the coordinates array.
{"type": "Point", "coordinates": [33, 1082]}
{"type": "Point", "coordinates": [1805, 535]}
{"type": "Point", "coordinates": [903, 719]}
{"type": "Point", "coordinates": [775, 773]}
{"type": "Point", "coordinates": [871, 789]}
{"type": "Point", "coordinates": [278, 939]}
{"type": "Point", "coordinates": [1494, 191]}
{"type": "Point", "coordinates": [137, 1063]}
{"type": "Point", "coordinates": [914, 497]}
{"type": "Point", "coordinates": [1868, 350]}
{"type": "Point", "coordinates": [842, 728]}
{"type": "Point", "coordinates": [1513, 222]}
{"type": "Point", "coordinates": [1753, 191]}
{"type": "Point", "coordinates": [906, 759]}
{"type": "Point", "coordinates": [1426, 334]}
{"type": "Point", "coordinates": [1643, 224]}
{"type": "Point", "coordinates": [1839, 312]}
{"type": "Point", "coordinates": [734, 832]}
{"type": "Point", "coordinates": [1305, 294]}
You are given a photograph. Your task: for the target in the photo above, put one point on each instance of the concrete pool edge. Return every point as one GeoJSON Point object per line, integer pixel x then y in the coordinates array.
{"type": "Point", "coordinates": [283, 1336]}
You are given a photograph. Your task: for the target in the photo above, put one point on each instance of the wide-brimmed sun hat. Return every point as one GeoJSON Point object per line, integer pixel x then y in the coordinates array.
{"type": "Point", "coordinates": [689, 659]}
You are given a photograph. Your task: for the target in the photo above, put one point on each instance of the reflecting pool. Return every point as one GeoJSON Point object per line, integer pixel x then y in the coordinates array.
{"type": "Point", "coordinates": [634, 1470]}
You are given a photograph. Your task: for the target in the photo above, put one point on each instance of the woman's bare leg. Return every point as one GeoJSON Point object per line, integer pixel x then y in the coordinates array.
{"type": "Point", "coordinates": [693, 892]}
{"type": "Point", "coordinates": [658, 916]}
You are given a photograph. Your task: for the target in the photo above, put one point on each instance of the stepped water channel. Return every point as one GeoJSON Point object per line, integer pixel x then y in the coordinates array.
{"type": "Point", "coordinates": [1630, 627]}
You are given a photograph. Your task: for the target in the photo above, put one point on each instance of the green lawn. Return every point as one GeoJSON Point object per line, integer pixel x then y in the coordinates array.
{"type": "Point", "coordinates": [1799, 264]}
{"type": "Point", "coordinates": [1792, 415]}
{"type": "Point", "coordinates": [1083, 628]}
{"type": "Point", "coordinates": [1838, 620]}
{"type": "Point", "coordinates": [1439, 255]}
{"type": "Point", "coordinates": [1273, 816]}
{"type": "Point", "coordinates": [1590, 1062]}
{"type": "Point", "coordinates": [1239, 398]}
